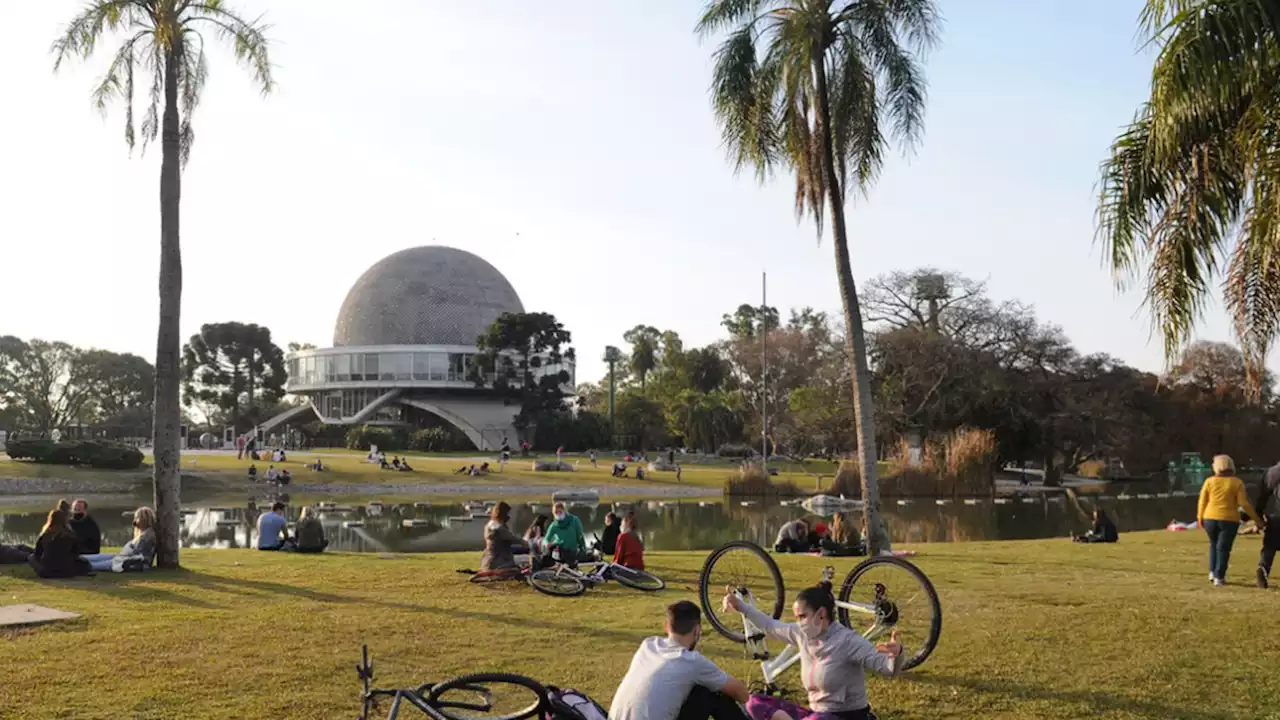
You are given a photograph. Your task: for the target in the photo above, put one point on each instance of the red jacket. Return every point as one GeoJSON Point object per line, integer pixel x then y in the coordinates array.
{"type": "Point", "coordinates": [629, 552]}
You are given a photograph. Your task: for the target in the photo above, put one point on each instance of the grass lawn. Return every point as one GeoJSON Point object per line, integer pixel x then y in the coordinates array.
{"type": "Point", "coordinates": [351, 468]}
{"type": "Point", "coordinates": [1036, 629]}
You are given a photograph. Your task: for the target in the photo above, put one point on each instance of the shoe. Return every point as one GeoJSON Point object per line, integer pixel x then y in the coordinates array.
{"type": "Point", "coordinates": [1262, 577]}
{"type": "Point", "coordinates": [1219, 583]}
{"type": "Point", "coordinates": [1212, 579]}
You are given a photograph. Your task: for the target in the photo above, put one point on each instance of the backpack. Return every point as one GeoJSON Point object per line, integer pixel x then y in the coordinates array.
{"type": "Point", "coordinates": [570, 704]}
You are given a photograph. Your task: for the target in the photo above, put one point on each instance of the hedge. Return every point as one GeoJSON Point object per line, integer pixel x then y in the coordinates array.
{"type": "Point", "coordinates": [96, 454]}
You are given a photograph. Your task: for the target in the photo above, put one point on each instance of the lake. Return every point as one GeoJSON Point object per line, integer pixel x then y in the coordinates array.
{"type": "Point", "coordinates": [665, 524]}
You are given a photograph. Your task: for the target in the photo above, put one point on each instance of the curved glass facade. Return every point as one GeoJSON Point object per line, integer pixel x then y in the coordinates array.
{"type": "Point", "coordinates": [311, 369]}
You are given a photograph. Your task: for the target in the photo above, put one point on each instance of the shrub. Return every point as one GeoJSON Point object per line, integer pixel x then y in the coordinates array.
{"type": "Point", "coordinates": [387, 439]}
{"type": "Point", "coordinates": [750, 480]}
{"type": "Point", "coordinates": [96, 454]}
{"type": "Point", "coordinates": [958, 463]}
{"type": "Point", "coordinates": [735, 450]}
{"type": "Point", "coordinates": [438, 439]}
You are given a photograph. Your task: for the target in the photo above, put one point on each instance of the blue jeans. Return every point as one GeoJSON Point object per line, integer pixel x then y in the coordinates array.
{"type": "Point", "coordinates": [1222, 535]}
{"type": "Point", "coordinates": [100, 562]}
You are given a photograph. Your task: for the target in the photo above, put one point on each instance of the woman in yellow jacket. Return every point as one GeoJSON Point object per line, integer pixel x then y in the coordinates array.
{"type": "Point", "coordinates": [1221, 498]}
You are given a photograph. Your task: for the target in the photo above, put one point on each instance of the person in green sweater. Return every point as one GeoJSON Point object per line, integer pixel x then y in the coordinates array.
{"type": "Point", "coordinates": [565, 531]}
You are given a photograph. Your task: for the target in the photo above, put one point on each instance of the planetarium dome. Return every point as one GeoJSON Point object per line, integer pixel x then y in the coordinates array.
{"type": "Point", "coordinates": [430, 295]}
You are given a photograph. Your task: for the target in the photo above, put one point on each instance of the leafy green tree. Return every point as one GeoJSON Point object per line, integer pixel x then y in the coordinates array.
{"type": "Point", "coordinates": [748, 320]}
{"type": "Point", "coordinates": [47, 383]}
{"type": "Point", "coordinates": [810, 85]}
{"type": "Point", "coordinates": [644, 341]}
{"type": "Point", "coordinates": [163, 45]}
{"type": "Point", "coordinates": [513, 350]}
{"type": "Point", "coordinates": [234, 367]}
{"type": "Point", "coordinates": [1190, 186]}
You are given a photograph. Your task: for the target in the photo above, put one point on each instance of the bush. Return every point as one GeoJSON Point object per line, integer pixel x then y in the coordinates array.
{"type": "Point", "coordinates": [96, 454]}
{"type": "Point", "coordinates": [387, 439]}
{"type": "Point", "coordinates": [958, 463]}
{"type": "Point", "coordinates": [735, 450]}
{"type": "Point", "coordinates": [750, 480]}
{"type": "Point", "coordinates": [438, 439]}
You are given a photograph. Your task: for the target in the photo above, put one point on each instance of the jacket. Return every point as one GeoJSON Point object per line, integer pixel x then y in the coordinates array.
{"type": "Point", "coordinates": [309, 534]}
{"type": "Point", "coordinates": [498, 542]}
{"type": "Point", "coordinates": [609, 540]}
{"type": "Point", "coordinates": [630, 552]}
{"type": "Point", "coordinates": [88, 536]}
{"type": "Point", "coordinates": [56, 556]}
{"type": "Point", "coordinates": [1268, 501]}
{"type": "Point", "coordinates": [1221, 497]}
{"type": "Point", "coordinates": [566, 533]}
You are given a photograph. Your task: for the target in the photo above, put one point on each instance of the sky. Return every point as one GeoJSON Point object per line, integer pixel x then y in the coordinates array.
{"type": "Point", "coordinates": [572, 145]}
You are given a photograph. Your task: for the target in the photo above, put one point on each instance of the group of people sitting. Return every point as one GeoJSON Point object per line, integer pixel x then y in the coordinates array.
{"type": "Point", "coordinates": [70, 544]}
{"type": "Point", "coordinates": [308, 534]}
{"type": "Point", "coordinates": [473, 469]}
{"type": "Point", "coordinates": [274, 476]}
{"type": "Point", "coordinates": [559, 539]}
{"type": "Point", "coordinates": [670, 680]}
{"type": "Point", "coordinates": [396, 464]}
{"type": "Point", "coordinates": [803, 536]}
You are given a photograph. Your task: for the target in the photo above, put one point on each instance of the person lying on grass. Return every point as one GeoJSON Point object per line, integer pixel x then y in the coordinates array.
{"type": "Point", "coordinates": [138, 553]}
{"type": "Point", "coordinates": [832, 659]}
{"type": "Point", "coordinates": [669, 679]}
{"type": "Point", "coordinates": [565, 532]}
{"type": "Point", "coordinates": [629, 549]}
{"type": "Point", "coordinates": [500, 544]}
{"type": "Point", "coordinates": [273, 529]}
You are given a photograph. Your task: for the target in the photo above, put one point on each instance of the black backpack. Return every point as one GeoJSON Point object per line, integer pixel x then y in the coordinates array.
{"type": "Point", "coordinates": [570, 704]}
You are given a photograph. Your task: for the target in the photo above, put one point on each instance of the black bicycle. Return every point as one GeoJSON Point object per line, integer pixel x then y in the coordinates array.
{"type": "Point", "coordinates": [500, 696]}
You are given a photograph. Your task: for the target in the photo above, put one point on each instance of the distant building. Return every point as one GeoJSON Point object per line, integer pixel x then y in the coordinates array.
{"type": "Point", "coordinates": [403, 348]}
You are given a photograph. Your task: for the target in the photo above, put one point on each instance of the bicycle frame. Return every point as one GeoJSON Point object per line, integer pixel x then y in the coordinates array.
{"type": "Point", "coordinates": [774, 666]}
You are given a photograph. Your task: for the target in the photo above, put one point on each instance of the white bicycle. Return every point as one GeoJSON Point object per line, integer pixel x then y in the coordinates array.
{"type": "Point", "coordinates": [880, 595]}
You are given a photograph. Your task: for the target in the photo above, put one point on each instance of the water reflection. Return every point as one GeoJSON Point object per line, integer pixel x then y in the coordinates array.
{"type": "Point", "coordinates": [664, 524]}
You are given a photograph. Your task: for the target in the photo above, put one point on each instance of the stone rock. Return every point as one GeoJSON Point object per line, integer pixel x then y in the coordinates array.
{"type": "Point", "coordinates": [543, 466]}
{"type": "Point", "coordinates": [661, 465]}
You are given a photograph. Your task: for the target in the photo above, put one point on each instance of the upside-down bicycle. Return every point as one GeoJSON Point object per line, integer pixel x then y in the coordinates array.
{"type": "Point", "coordinates": [510, 696]}
{"type": "Point", "coordinates": [880, 595]}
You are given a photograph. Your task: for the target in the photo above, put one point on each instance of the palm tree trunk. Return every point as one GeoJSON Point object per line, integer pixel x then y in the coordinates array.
{"type": "Point", "coordinates": [167, 413]}
{"type": "Point", "coordinates": [855, 339]}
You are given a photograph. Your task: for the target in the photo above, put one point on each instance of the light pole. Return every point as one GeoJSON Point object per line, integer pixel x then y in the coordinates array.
{"type": "Point", "coordinates": [611, 355]}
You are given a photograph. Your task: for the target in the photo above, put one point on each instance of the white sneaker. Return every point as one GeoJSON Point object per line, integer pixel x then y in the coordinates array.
{"type": "Point", "coordinates": [1212, 579]}
{"type": "Point", "coordinates": [1219, 583]}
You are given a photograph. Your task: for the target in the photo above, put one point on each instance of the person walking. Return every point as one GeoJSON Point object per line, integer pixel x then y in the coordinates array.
{"type": "Point", "coordinates": [1268, 506]}
{"type": "Point", "coordinates": [1221, 498]}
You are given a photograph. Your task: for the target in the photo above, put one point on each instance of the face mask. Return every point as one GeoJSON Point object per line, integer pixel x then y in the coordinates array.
{"type": "Point", "coordinates": [78, 516]}
{"type": "Point", "coordinates": [812, 627]}
{"type": "Point", "coordinates": [559, 516]}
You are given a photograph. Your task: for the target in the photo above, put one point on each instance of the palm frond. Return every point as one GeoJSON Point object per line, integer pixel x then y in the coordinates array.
{"type": "Point", "coordinates": [855, 111]}
{"type": "Point", "coordinates": [81, 35]}
{"type": "Point", "coordinates": [746, 118]}
{"type": "Point", "coordinates": [248, 38]}
{"type": "Point", "coordinates": [721, 15]}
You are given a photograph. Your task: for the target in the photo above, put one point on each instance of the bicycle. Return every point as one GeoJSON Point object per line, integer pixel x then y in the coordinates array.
{"type": "Point", "coordinates": [430, 699]}
{"type": "Point", "coordinates": [889, 602]}
{"type": "Point", "coordinates": [564, 580]}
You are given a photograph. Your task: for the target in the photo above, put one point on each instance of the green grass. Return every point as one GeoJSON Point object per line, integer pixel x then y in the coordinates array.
{"type": "Point", "coordinates": [1037, 629]}
{"type": "Point", "coordinates": [350, 468]}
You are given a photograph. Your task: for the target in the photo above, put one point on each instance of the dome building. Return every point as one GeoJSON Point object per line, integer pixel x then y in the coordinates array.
{"type": "Point", "coordinates": [403, 346]}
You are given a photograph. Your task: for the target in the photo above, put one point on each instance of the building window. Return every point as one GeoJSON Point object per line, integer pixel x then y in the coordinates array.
{"type": "Point", "coordinates": [341, 367]}
{"type": "Point", "coordinates": [422, 366]}
{"type": "Point", "coordinates": [370, 367]}
{"type": "Point", "coordinates": [396, 366]}
{"type": "Point", "coordinates": [439, 367]}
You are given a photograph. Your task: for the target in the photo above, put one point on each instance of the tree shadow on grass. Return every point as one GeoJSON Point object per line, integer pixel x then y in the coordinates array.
{"type": "Point", "coordinates": [1097, 701]}
{"type": "Point", "coordinates": [137, 587]}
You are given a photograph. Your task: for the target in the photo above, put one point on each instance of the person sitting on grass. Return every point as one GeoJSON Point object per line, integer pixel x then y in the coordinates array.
{"type": "Point", "coordinates": [284, 478]}
{"type": "Point", "coordinates": [55, 554]}
{"type": "Point", "coordinates": [460, 470]}
{"type": "Point", "coordinates": [395, 462]}
{"type": "Point", "coordinates": [793, 538]}
{"type": "Point", "coordinates": [484, 468]}
{"type": "Point", "coordinates": [404, 466]}
{"type": "Point", "coordinates": [609, 540]}
{"type": "Point", "coordinates": [619, 470]}
{"type": "Point", "coordinates": [500, 543]}
{"type": "Point", "coordinates": [1103, 531]}
{"type": "Point", "coordinates": [273, 529]}
{"type": "Point", "coordinates": [565, 533]}
{"type": "Point", "coordinates": [629, 551]}
{"type": "Point", "coordinates": [669, 679]}
{"type": "Point", "coordinates": [253, 472]}
{"type": "Point", "coordinates": [318, 466]}
{"type": "Point", "coordinates": [533, 535]}
{"type": "Point", "coordinates": [88, 535]}
{"type": "Point", "coordinates": [309, 533]}
{"type": "Point", "coordinates": [139, 551]}
{"type": "Point", "coordinates": [844, 540]}
{"type": "Point", "coordinates": [833, 658]}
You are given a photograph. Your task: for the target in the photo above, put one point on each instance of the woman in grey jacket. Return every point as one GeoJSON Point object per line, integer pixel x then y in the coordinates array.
{"type": "Point", "coordinates": [499, 542]}
{"type": "Point", "coordinates": [832, 659]}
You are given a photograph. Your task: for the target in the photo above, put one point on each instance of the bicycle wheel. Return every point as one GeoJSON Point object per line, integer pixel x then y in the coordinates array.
{"type": "Point", "coordinates": [887, 593]}
{"type": "Point", "coordinates": [553, 582]}
{"type": "Point", "coordinates": [637, 579]}
{"type": "Point", "coordinates": [489, 696]}
{"type": "Point", "coordinates": [746, 566]}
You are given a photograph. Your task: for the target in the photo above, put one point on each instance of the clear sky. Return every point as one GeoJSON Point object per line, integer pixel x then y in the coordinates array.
{"type": "Point", "coordinates": [570, 143]}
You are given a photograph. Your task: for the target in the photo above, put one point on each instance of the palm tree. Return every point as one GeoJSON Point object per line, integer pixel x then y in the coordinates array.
{"type": "Point", "coordinates": [644, 350]}
{"type": "Point", "coordinates": [810, 85]}
{"type": "Point", "coordinates": [1192, 186]}
{"type": "Point", "coordinates": [163, 39]}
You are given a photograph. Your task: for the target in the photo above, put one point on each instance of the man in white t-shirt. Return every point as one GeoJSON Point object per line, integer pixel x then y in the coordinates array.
{"type": "Point", "coordinates": [669, 680]}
